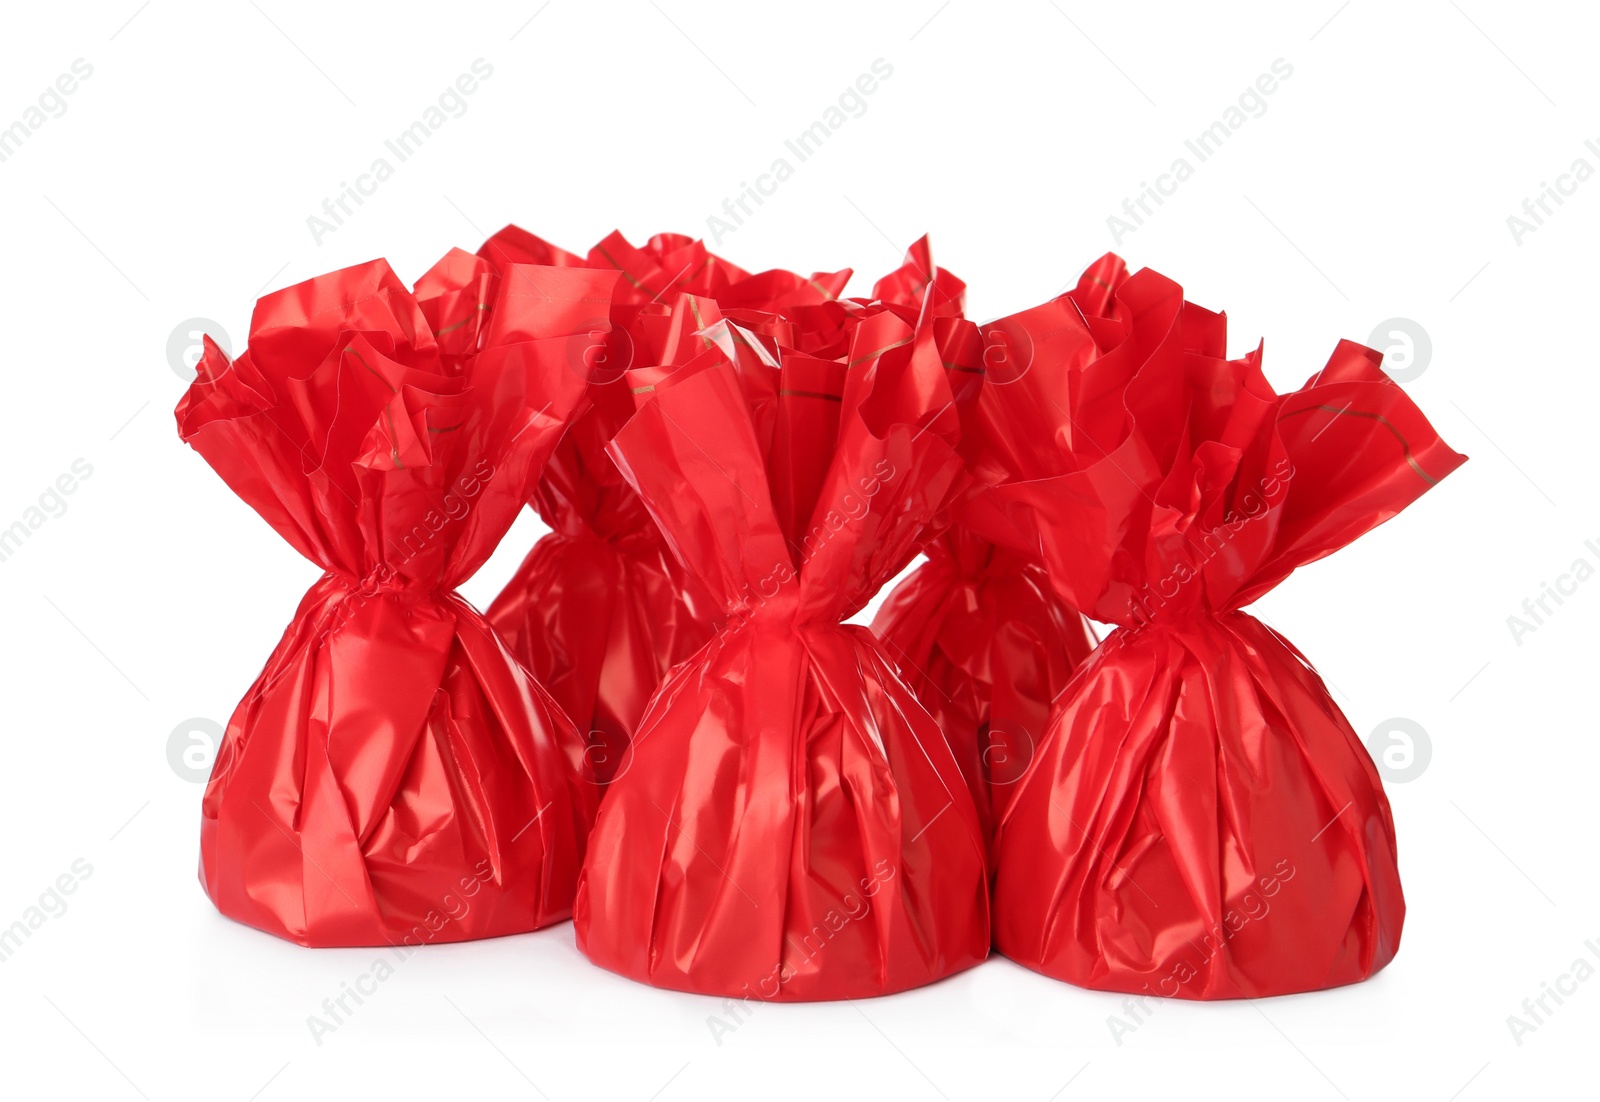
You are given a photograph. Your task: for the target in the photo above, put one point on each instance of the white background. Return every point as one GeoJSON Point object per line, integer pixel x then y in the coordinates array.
{"type": "Point", "coordinates": [1376, 184]}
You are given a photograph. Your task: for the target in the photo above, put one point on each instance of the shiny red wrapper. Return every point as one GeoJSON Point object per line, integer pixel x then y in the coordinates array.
{"type": "Point", "coordinates": [1200, 821]}
{"type": "Point", "coordinates": [978, 630]}
{"type": "Point", "coordinates": [600, 610]}
{"type": "Point", "coordinates": [986, 644]}
{"type": "Point", "coordinates": [394, 776]}
{"type": "Point", "coordinates": [794, 826]}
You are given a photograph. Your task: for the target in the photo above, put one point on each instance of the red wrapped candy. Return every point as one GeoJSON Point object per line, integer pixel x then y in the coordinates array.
{"type": "Point", "coordinates": [978, 630]}
{"type": "Point", "coordinates": [794, 826]}
{"type": "Point", "coordinates": [600, 610]}
{"type": "Point", "coordinates": [394, 775]}
{"type": "Point", "coordinates": [986, 644]}
{"type": "Point", "coordinates": [1200, 820]}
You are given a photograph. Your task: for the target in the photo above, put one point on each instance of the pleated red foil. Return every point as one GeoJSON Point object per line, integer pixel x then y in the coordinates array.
{"type": "Point", "coordinates": [1200, 820]}
{"type": "Point", "coordinates": [600, 610]}
{"type": "Point", "coordinates": [978, 630]}
{"type": "Point", "coordinates": [394, 776]}
{"type": "Point", "coordinates": [986, 644]}
{"type": "Point", "coordinates": [794, 825]}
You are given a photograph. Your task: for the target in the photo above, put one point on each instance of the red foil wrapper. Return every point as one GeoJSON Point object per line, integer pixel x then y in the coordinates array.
{"type": "Point", "coordinates": [600, 610]}
{"type": "Point", "coordinates": [986, 644]}
{"type": "Point", "coordinates": [1200, 820]}
{"type": "Point", "coordinates": [977, 630]}
{"type": "Point", "coordinates": [795, 826]}
{"type": "Point", "coordinates": [394, 776]}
